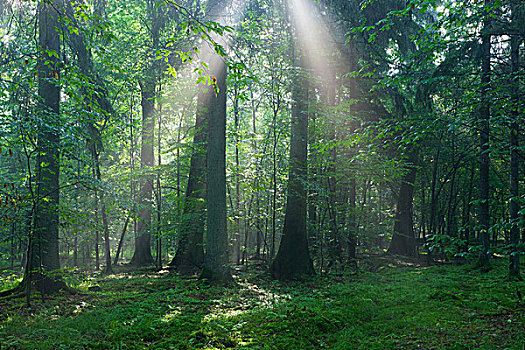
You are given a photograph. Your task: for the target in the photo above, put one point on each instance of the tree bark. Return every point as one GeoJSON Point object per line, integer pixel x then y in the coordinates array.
{"type": "Point", "coordinates": [43, 255]}
{"type": "Point", "coordinates": [216, 264]}
{"type": "Point", "coordinates": [142, 254]}
{"type": "Point", "coordinates": [158, 256]}
{"type": "Point", "coordinates": [484, 133]}
{"type": "Point", "coordinates": [101, 200]}
{"type": "Point", "coordinates": [190, 253]}
{"type": "Point", "coordinates": [293, 258]}
{"type": "Point", "coordinates": [352, 221]}
{"type": "Point", "coordinates": [403, 242]}
{"type": "Point", "coordinates": [121, 240]}
{"type": "Point", "coordinates": [216, 267]}
{"type": "Point", "coordinates": [97, 225]}
{"type": "Point", "coordinates": [514, 259]}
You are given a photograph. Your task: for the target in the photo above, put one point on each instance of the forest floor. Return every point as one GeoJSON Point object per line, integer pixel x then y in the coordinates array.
{"type": "Point", "coordinates": [386, 304]}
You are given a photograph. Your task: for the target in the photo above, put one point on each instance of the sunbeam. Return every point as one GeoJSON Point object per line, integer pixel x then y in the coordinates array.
{"type": "Point", "coordinates": [314, 38]}
{"type": "Point", "coordinates": [226, 13]}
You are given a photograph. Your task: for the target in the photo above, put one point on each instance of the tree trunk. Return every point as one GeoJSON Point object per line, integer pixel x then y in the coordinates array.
{"type": "Point", "coordinates": [216, 266]}
{"type": "Point", "coordinates": [43, 257]}
{"type": "Point", "coordinates": [237, 209]}
{"type": "Point", "coordinates": [190, 253]}
{"type": "Point", "coordinates": [352, 221]}
{"type": "Point", "coordinates": [97, 230]}
{"type": "Point", "coordinates": [484, 127]}
{"type": "Point", "coordinates": [142, 255]}
{"type": "Point", "coordinates": [159, 196]}
{"type": "Point", "coordinates": [334, 242]}
{"type": "Point", "coordinates": [274, 179]}
{"type": "Point", "coordinates": [451, 206]}
{"type": "Point", "coordinates": [467, 206]}
{"type": "Point", "coordinates": [105, 224]}
{"type": "Point", "coordinates": [514, 260]}
{"type": "Point", "coordinates": [293, 258]}
{"type": "Point", "coordinates": [121, 240]}
{"type": "Point", "coordinates": [434, 197]}
{"type": "Point", "coordinates": [403, 242]}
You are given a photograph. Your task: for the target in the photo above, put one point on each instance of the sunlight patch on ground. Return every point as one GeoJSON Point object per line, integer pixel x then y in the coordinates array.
{"type": "Point", "coordinates": [10, 281]}
{"type": "Point", "coordinates": [175, 311]}
{"type": "Point", "coordinates": [250, 297]}
{"type": "Point", "coordinates": [80, 307]}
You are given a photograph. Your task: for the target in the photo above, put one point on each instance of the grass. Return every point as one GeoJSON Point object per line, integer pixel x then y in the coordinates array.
{"type": "Point", "coordinates": [439, 307]}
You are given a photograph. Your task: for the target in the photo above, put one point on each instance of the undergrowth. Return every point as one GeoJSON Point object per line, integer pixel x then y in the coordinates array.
{"type": "Point", "coordinates": [439, 307]}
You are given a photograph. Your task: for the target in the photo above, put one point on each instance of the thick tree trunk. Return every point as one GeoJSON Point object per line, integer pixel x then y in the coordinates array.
{"type": "Point", "coordinates": [293, 258]}
{"type": "Point", "coordinates": [190, 253]}
{"type": "Point", "coordinates": [158, 256]}
{"type": "Point", "coordinates": [216, 264]}
{"type": "Point", "coordinates": [142, 255]}
{"type": "Point", "coordinates": [484, 127]}
{"type": "Point", "coordinates": [216, 267]}
{"type": "Point", "coordinates": [352, 221]}
{"type": "Point", "coordinates": [43, 257]}
{"type": "Point", "coordinates": [403, 240]}
{"type": "Point", "coordinates": [514, 260]}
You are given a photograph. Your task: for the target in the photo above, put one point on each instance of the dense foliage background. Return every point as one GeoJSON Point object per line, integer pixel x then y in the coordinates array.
{"type": "Point", "coordinates": [412, 117]}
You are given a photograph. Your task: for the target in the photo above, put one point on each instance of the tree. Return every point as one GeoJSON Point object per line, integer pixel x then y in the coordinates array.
{"type": "Point", "coordinates": [43, 260]}
{"type": "Point", "coordinates": [142, 255]}
{"type": "Point", "coordinates": [84, 61]}
{"type": "Point", "coordinates": [514, 260]}
{"type": "Point", "coordinates": [484, 135]}
{"type": "Point", "coordinates": [293, 257]}
{"type": "Point", "coordinates": [100, 198]}
{"type": "Point", "coordinates": [403, 240]}
{"type": "Point", "coordinates": [216, 264]}
{"type": "Point", "coordinates": [189, 256]}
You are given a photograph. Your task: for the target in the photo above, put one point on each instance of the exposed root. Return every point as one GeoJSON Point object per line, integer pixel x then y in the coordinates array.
{"type": "Point", "coordinates": [13, 293]}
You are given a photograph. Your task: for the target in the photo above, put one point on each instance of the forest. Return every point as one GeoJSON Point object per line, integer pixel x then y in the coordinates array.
{"type": "Point", "coordinates": [262, 174]}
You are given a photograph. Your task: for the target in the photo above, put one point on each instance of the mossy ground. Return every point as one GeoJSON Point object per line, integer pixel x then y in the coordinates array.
{"type": "Point", "coordinates": [408, 307]}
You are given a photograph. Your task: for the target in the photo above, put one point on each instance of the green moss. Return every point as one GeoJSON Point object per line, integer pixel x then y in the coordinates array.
{"type": "Point", "coordinates": [442, 307]}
